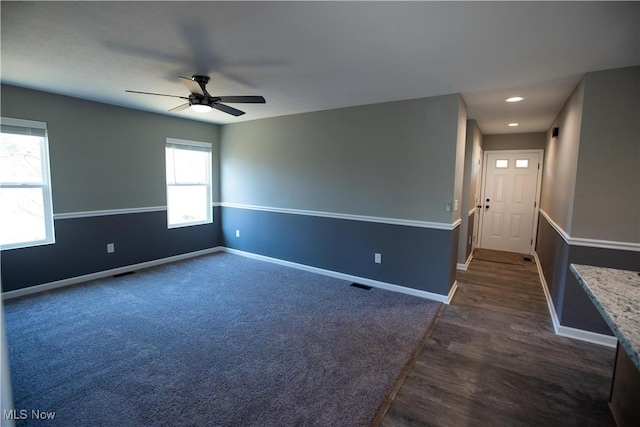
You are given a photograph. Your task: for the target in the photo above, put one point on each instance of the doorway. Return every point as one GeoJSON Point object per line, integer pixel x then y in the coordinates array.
{"type": "Point", "coordinates": [510, 200]}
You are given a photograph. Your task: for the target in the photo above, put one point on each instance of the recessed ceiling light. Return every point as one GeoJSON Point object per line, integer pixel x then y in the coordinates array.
{"type": "Point", "coordinates": [514, 99]}
{"type": "Point", "coordinates": [514, 124]}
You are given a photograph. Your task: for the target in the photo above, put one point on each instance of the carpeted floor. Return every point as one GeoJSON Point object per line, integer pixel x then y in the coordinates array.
{"type": "Point", "coordinates": [220, 340]}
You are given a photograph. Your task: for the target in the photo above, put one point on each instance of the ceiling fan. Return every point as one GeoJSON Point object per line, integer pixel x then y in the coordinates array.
{"type": "Point", "coordinates": [201, 101]}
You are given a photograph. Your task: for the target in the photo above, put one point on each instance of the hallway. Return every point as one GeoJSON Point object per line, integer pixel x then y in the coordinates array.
{"type": "Point", "coordinates": [494, 360]}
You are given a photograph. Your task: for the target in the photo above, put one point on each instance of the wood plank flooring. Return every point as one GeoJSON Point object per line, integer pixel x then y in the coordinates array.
{"type": "Point", "coordinates": [494, 360]}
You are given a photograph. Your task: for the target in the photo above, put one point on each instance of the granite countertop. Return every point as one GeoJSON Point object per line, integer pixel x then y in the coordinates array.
{"type": "Point", "coordinates": [616, 295]}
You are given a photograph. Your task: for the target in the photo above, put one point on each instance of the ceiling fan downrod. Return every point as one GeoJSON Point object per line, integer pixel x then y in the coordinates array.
{"type": "Point", "coordinates": [202, 81]}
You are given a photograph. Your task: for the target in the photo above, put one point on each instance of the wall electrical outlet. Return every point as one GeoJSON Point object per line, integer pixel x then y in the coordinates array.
{"type": "Point", "coordinates": [377, 258]}
{"type": "Point", "coordinates": [455, 205]}
{"type": "Point", "coordinates": [237, 233]}
{"type": "Point", "coordinates": [111, 248]}
{"type": "Point", "coordinates": [447, 207]}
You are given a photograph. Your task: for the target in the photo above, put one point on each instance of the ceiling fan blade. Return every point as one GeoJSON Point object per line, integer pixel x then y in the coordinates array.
{"type": "Point", "coordinates": [192, 86]}
{"type": "Point", "coordinates": [156, 94]}
{"type": "Point", "coordinates": [181, 107]}
{"type": "Point", "coordinates": [227, 109]}
{"type": "Point", "coordinates": [243, 99]}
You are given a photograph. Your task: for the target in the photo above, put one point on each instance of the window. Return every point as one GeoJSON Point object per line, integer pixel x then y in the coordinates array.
{"type": "Point", "coordinates": [522, 164]}
{"type": "Point", "coordinates": [501, 164]}
{"type": "Point", "coordinates": [26, 213]}
{"type": "Point", "coordinates": [188, 166]}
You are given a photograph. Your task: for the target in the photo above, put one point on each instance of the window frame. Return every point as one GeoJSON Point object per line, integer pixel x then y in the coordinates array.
{"type": "Point", "coordinates": [44, 185]}
{"type": "Point", "coordinates": [194, 146]}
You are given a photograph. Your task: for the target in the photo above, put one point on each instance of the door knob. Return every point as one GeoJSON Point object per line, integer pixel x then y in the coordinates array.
{"type": "Point", "coordinates": [486, 206]}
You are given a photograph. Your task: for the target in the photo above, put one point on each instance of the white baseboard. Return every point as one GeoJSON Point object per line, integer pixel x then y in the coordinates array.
{"type": "Point", "coordinates": [452, 292]}
{"type": "Point", "coordinates": [464, 266]}
{"type": "Point", "coordinates": [582, 335]}
{"type": "Point", "coordinates": [102, 274]}
{"type": "Point", "coordinates": [120, 270]}
{"type": "Point", "coordinates": [566, 331]}
{"type": "Point", "coordinates": [349, 277]}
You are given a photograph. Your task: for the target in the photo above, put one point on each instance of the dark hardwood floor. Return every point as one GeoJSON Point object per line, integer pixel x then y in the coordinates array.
{"type": "Point", "coordinates": [493, 360]}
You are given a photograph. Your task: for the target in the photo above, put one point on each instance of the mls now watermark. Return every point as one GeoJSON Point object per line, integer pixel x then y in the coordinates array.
{"type": "Point", "coordinates": [23, 414]}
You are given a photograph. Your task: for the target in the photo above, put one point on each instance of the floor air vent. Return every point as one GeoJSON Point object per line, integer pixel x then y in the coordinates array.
{"type": "Point", "coordinates": [527, 259]}
{"type": "Point", "coordinates": [361, 286]}
{"type": "Point", "coordinates": [124, 274]}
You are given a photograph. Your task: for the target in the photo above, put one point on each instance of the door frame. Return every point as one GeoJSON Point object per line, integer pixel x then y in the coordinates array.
{"type": "Point", "coordinates": [477, 198]}
{"type": "Point", "coordinates": [536, 208]}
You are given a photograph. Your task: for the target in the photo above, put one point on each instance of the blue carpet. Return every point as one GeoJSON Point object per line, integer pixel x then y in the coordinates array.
{"type": "Point", "coordinates": [219, 340]}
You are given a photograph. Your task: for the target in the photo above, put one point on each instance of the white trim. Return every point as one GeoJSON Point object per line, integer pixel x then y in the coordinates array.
{"type": "Point", "coordinates": [547, 295]}
{"type": "Point", "coordinates": [107, 212]}
{"type": "Point", "coordinates": [592, 337]}
{"type": "Point", "coordinates": [188, 143]}
{"type": "Point", "coordinates": [594, 243]}
{"type": "Point", "coordinates": [348, 277]}
{"type": "Point", "coordinates": [556, 227]}
{"type": "Point", "coordinates": [44, 185]}
{"type": "Point", "coordinates": [566, 331]}
{"type": "Point", "coordinates": [605, 244]}
{"type": "Point", "coordinates": [102, 274]}
{"type": "Point", "coordinates": [107, 273]}
{"type": "Point", "coordinates": [464, 266]}
{"type": "Point", "coordinates": [472, 211]}
{"type": "Point", "coordinates": [452, 292]}
{"type": "Point", "coordinates": [382, 220]}
{"type": "Point", "coordinates": [392, 221]}
{"type": "Point", "coordinates": [23, 123]}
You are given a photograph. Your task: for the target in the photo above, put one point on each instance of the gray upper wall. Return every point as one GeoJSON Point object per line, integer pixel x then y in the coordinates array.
{"type": "Point", "coordinates": [105, 157]}
{"type": "Point", "coordinates": [515, 141]}
{"type": "Point", "coordinates": [561, 162]}
{"type": "Point", "coordinates": [392, 160]}
{"type": "Point", "coordinates": [591, 178]}
{"type": "Point", "coordinates": [607, 192]}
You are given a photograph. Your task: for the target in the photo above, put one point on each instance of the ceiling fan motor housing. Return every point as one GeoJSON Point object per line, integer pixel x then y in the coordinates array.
{"type": "Point", "coordinates": [201, 101]}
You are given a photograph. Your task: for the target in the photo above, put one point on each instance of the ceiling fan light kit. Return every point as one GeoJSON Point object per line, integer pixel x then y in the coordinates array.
{"type": "Point", "coordinates": [202, 102]}
{"type": "Point", "coordinates": [200, 108]}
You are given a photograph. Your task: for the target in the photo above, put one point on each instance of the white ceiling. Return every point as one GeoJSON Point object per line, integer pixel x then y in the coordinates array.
{"type": "Point", "coordinates": [310, 56]}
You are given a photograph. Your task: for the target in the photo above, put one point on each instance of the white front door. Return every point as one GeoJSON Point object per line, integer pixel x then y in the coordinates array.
{"type": "Point", "coordinates": [511, 188]}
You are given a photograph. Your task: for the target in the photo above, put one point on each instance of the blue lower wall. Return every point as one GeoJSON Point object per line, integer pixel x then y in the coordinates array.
{"type": "Point", "coordinates": [573, 306]}
{"type": "Point", "coordinates": [414, 257]}
{"type": "Point", "coordinates": [80, 247]}
{"type": "Point", "coordinates": [553, 253]}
